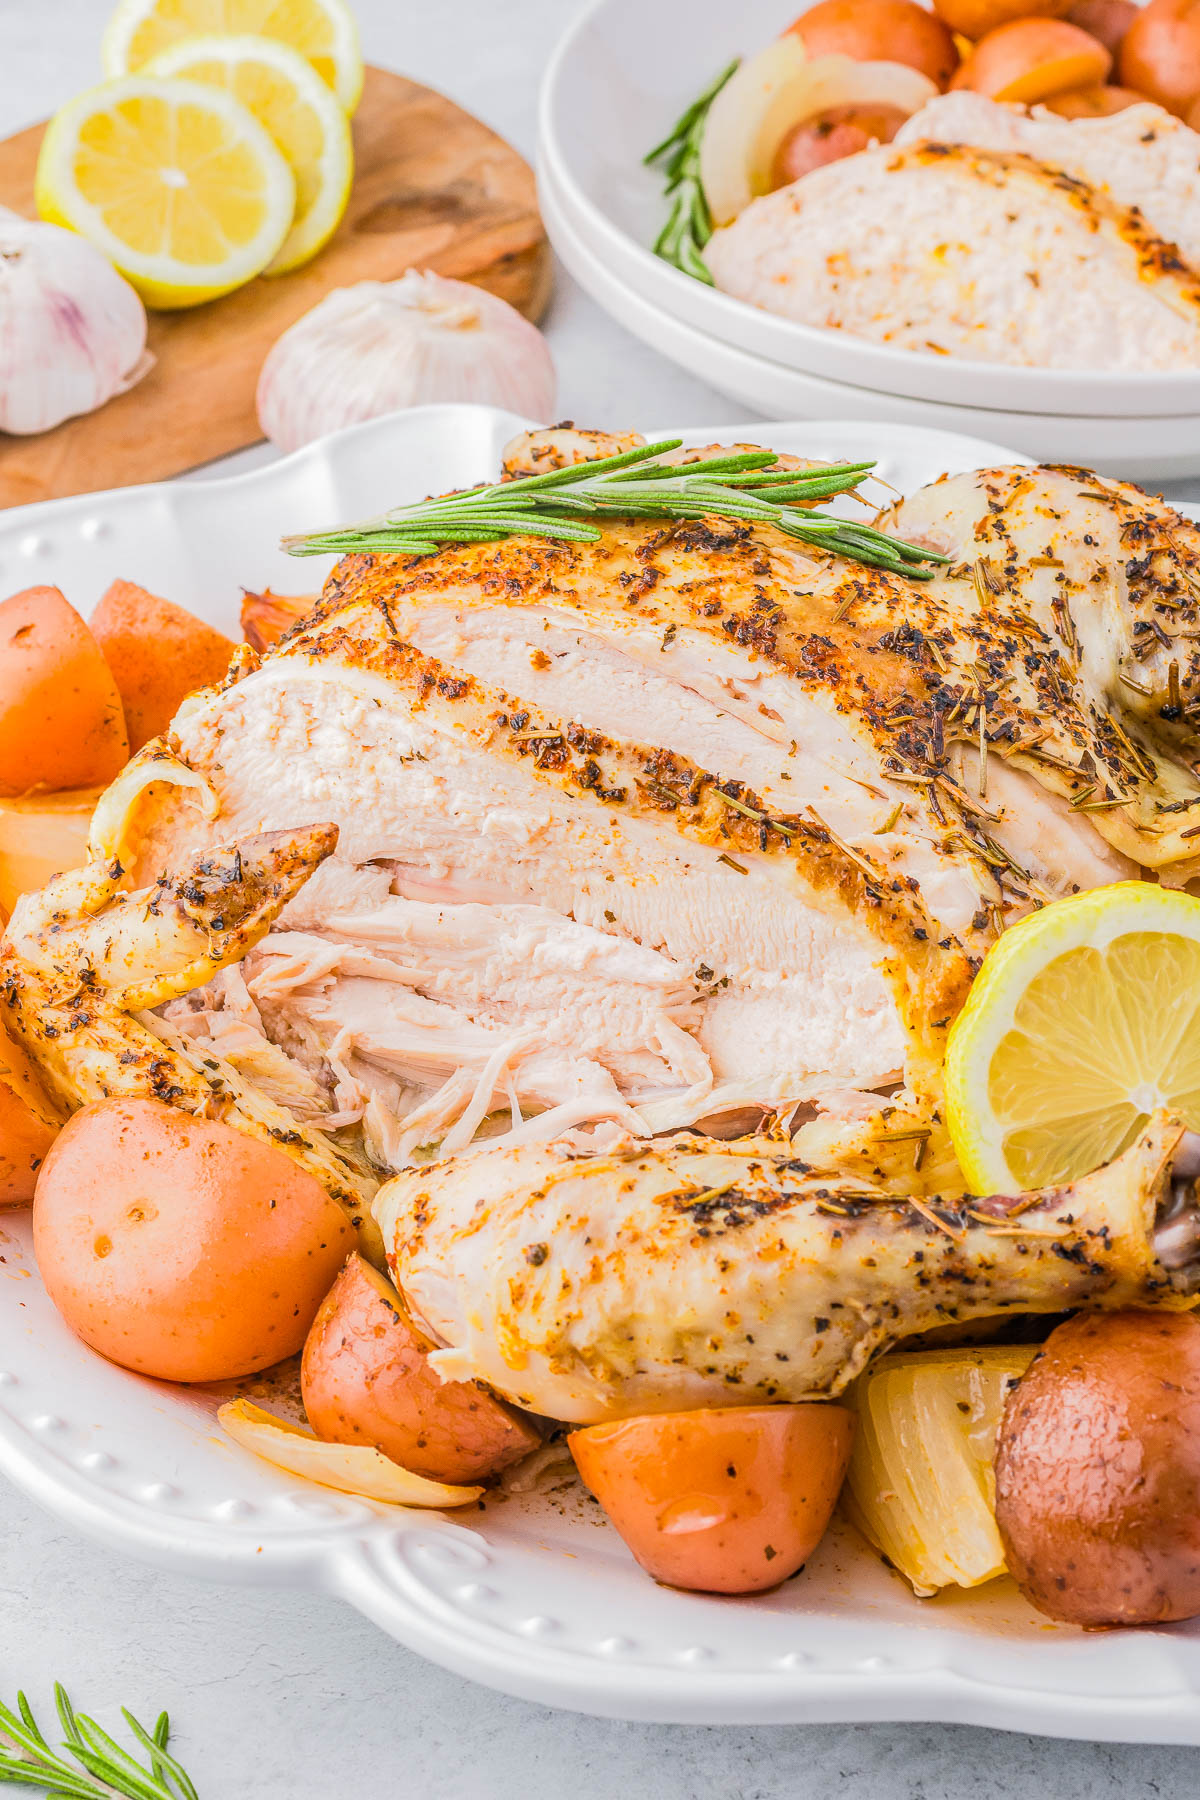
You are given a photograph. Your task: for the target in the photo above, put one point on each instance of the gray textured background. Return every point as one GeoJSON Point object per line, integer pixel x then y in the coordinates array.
{"type": "Point", "coordinates": [293, 1697]}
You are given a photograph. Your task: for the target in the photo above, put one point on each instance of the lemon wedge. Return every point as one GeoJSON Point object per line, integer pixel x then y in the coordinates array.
{"type": "Point", "coordinates": [322, 31]}
{"type": "Point", "coordinates": [176, 181]}
{"type": "Point", "coordinates": [1084, 1020]}
{"type": "Point", "coordinates": [288, 97]}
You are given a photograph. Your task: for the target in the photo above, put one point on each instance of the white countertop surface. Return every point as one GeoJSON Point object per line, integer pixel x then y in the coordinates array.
{"type": "Point", "coordinates": [284, 1696]}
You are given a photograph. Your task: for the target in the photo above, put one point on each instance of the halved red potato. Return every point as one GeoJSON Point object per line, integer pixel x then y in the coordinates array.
{"type": "Point", "coordinates": [724, 1501]}
{"type": "Point", "coordinates": [366, 1379]}
{"type": "Point", "coordinates": [897, 31]}
{"type": "Point", "coordinates": [1107, 20]}
{"type": "Point", "coordinates": [839, 132]}
{"type": "Point", "coordinates": [1094, 103]}
{"type": "Point", "coordinates": [1160, 53]}
{"type": "Point", "coordinates": [159, 654]}
{"type": "Point", "coordinates": [62, 724]}
{"type": "Point", "coordinates": [1034, 59]}
{"type": "Point", "coordinates": [180, 1247]}
{"type": "Point", "coordinates": [975, 18]}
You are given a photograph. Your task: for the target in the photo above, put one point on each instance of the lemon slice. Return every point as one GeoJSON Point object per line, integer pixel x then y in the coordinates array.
{"type": "Point", "coordinates": [177, 182]}
{"type": "Point", "coordinates": [1084, 1020]}
{"type": "Point", "coordinates": [322, 31]}
{"type": "Point", "coordinates": [302, 115]}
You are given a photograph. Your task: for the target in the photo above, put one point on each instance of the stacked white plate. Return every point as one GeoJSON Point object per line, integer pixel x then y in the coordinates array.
{"type": "Point", "coordinates": [615, 86]}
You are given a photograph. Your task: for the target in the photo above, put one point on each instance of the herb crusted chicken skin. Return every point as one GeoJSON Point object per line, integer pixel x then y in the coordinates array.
{"type": "Point", "coordinates": [684, 826]}
{"type": "Point", "coordinates": [685, 1273]}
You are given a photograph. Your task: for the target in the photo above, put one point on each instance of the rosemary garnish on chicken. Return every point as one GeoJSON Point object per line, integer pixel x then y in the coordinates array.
{"type": "Point", "coordinates": [636, 484]}
{"type": "Point", "coordinates": [689, 225]}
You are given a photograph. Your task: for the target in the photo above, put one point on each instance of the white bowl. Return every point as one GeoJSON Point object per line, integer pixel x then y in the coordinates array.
{"type": "Point", "coordinates": [532, 1595]}
{"type": "Point", "coordinates": [619, 79]}
{"type": "Point", "coordinates": [1138, 449]}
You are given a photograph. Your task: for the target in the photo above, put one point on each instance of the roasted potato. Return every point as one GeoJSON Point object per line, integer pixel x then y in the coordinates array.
{"type": "Point", "coordinates": [1107, 20]}
{"type": "Point", "coordinates": [1160, 53]}
{"type": "Point", "coordinates": [366, 1379]}
{"type": "Point", "coordinates": [1098, 1471]}
{"type": "Point", "coordinates": [1034, 59]}
{"type": "Point", "coordinates": [158, 653]}
{"type": "Point", "coordinates": [724, 1501]}
{"type": "Point", "coordinates": [897, 31]}
{"type": "Point", "coordinates": [180, 1247]}
{"type": "Point", "coordinates": [975, 18]}
{"type": "Point", "coordinates": [1094, 103]}
{"type": "Point", "coordinates": [61, 720]}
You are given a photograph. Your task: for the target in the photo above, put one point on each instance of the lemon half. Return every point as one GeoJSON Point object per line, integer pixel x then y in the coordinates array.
{"type": "Point", "coordinates": [322, 31]}
{"type": "Point", "coordinates": [288, 97]}
{"type": "Point", "coordinates": [1084, 1020]}
{"type": "Point", "coordinates": [178, 184]}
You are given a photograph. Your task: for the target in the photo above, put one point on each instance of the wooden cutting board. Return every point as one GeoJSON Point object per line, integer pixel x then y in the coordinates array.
{"type": "Point", "coordinates": [434, 188]}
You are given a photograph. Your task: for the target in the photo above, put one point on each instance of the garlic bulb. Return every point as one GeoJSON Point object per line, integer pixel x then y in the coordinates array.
{"type": "Point", "coordinates": [72, 331]}
{"type": "Point", "coordinates": [384, 345]}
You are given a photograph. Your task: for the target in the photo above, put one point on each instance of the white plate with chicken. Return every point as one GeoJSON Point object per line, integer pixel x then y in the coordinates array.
{"type": "Point", "coordinates": [566, 917]}
{"type": "Point", "coordinates": [1142, 449]}
{"type": "Point", "coordinates": [985, 257]}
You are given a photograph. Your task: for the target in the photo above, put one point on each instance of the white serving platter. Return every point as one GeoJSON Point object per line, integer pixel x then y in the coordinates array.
{"type": "Point", "coordinates": [535, 1595]}
{"type": "Point", "coordinates": [1139, 449]}
{"type": "Point", "coordinates": [618, 80]}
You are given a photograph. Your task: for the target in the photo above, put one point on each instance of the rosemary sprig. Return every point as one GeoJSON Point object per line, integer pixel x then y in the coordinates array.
{"type": "Point", "coordinates": [689, 224]}
{"type": "Point", "coordinates": [105, 1769]}
{"type": "Point", "coordinates": [563, 503]}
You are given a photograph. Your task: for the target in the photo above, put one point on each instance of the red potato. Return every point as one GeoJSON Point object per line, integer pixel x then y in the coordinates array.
{"type": "Point", "coordinates": [158, 653]}
{"type": "Point", "coordinates": [1098, 1471]}
{"type": "Point", "coordinates": [723, 1501]}
{"type": "Point", "coordinates": [1094, 103]}
{"type": "Point", "coordinates": [366, 1379]}
{"type": "Point", "coordinates": [61, 720]}
{"type": "Point", "coordinates": [1034, 59]}
{"type": "Point", "coordinates": [1107, 20]}
{"type": "Point", "coordinates": [897, 31]}
{"type": "Point", "coordinates": [29, 1124]}
{"type": "Point", "coordinates": [179, 1247]}
{"type": "Point", "coordinates": [973, 19]}
{"type": "Point", "coordinates": [1160, 53]}
{"type": "Point", "coordinates": [841, 131]}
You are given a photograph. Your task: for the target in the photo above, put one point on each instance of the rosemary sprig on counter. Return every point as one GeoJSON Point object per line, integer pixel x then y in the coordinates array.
{"type": "Point", "coordinates": [563, 503]}
{"type": "Point", "coordinates": [689, 224]}
{"type": "Point", "coordinates": [105, 1769]}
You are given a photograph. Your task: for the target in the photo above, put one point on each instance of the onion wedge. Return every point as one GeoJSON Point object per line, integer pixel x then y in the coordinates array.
{"type": "Point", "coordinates": [351, 1468]}
{"type": "Point", "coordinates": [776, 90]}
{"type": "Point", "coordinates": [40, 836]}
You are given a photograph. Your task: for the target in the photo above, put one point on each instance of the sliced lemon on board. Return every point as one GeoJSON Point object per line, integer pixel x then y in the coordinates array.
{"type": "Point", "coordinates": [322, 31]}
{"type": "Point", "coordinates": [175, 181]}
{"type": "Point", "coordinates": [1084, 1020]}
{"type": "Point", "coordinates": [288, 97]}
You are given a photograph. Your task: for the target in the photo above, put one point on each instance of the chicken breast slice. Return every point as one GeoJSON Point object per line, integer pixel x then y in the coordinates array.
{"type": "Point", "coordinates": [987, 254]}
{"type": "Point", "coordinates": [1143, 157]}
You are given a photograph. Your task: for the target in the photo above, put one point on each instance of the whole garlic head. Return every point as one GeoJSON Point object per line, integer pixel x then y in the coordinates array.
{"type": "Point", "coordinates": [380, 346]}
{"type": "Point", "coordinates": [72, 331]}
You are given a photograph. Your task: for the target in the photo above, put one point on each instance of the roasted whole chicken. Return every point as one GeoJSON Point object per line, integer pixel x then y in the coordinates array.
{"type": "Point", "coordinates": [567, 846]}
